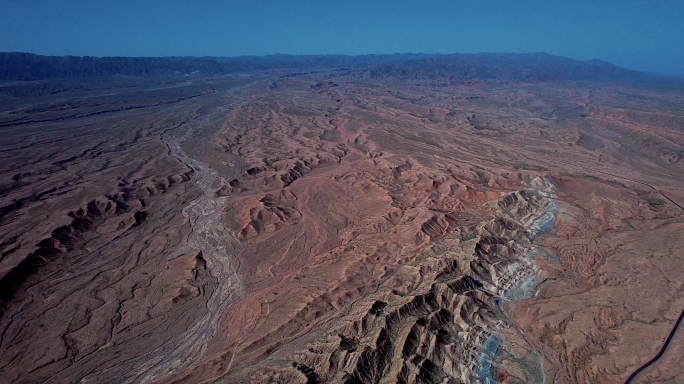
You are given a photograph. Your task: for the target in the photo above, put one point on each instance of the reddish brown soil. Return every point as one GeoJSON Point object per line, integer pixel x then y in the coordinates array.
{"type": "Point", "coordinates": [367, 232]}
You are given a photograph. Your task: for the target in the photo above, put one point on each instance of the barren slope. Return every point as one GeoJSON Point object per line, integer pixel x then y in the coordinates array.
{"type": "Point", "coordinates": [330, 229]}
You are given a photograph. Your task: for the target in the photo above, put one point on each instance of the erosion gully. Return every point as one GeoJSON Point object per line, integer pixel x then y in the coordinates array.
{"type": "Point", "coordinates": [217, 242]}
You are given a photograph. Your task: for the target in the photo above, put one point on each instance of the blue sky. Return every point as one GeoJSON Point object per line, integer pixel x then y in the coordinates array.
{"type": "Point", "coordinates": [643, 35]}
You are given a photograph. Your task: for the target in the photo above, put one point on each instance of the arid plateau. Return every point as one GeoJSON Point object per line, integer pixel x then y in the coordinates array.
{"type": "Point", "coordinates": [385, 223]}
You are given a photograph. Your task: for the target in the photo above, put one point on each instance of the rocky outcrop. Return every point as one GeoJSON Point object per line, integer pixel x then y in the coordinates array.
{"type": "Point", "coordinates": [445, 333]}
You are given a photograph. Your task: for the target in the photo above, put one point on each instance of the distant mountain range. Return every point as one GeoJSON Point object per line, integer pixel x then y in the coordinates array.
{"type": "Point", "coordinates": [461, 67]}
{"type": "Point", "coordinates": [513, 67]}
{"type": "Point", "coordinates": [26, 66]}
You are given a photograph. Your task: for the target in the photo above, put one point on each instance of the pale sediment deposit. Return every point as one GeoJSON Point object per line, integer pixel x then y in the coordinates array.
{"type": "Point", "coordinates": [218, 246]}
